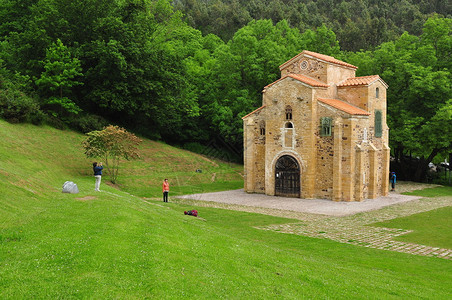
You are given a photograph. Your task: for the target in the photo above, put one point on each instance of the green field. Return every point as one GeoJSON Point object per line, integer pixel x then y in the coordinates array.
{"type": "Point", "coordinates": [433, 192]}
{"type": "Point", "coordinates": [117, 244]}
{"type": "Point", "coordinates": [431, 228]}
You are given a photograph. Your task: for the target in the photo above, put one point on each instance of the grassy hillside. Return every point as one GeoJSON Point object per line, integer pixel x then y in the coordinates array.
{"type": "Point", "coordinates": [158, 161]}
{"type": "Point", "coordinates": [116, 245]}
{"type": "Point", "coordinates": [30, 154]}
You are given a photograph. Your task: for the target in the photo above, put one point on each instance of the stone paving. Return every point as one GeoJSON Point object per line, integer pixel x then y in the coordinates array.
{"type": "Point", "coordinates": [355, 229]}
{"type": "Point", "coordinates": [350, 229]}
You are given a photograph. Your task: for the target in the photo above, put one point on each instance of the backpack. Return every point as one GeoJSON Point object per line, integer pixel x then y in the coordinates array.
{"type": "Point", "coordinates": [193, 212]}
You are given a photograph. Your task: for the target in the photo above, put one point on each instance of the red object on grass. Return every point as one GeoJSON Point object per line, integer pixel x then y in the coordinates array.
{"type": "Point", "coordinates": [193, 212]}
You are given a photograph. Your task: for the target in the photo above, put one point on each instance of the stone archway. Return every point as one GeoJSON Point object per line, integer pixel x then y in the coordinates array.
{"type": "Point", "coordinates": [287, 177]}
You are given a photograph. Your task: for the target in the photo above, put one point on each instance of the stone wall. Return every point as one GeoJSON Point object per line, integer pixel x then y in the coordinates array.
{"type": "Point", "coordinates": [295, 141]}
{"type": "Point", "coordinates": [320, 70]}
{"type": "Point", "coordinates": [325, 154]}
{"type": "Point", "coordinates": [356, 95]}
{"type": "Point", "coordinates": [307, 66]}
{"type": "Point", "coordinates": [254, 147]}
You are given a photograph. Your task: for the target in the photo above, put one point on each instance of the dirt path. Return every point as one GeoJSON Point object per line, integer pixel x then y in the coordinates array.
{"type": "Point", "coordinates": [341, 222]}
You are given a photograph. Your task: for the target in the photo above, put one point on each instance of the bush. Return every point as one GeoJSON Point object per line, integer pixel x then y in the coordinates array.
{"type": "Point", "coordinates": [56, 122]}
{"type": "Point", "coordinates": [17, 107]}
{"type": "Point", "coordinates": [194, 147]}
{"type": "Point", "coordinates": [37, 117]}
{"type": "Point", "coordinates": [87, 123]}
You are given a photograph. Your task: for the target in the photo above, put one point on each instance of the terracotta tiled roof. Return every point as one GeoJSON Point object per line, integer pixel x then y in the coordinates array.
{"type": "Point", "coordinates": [344, 106]}
{"type": "Point", "coordinates": [364, 80]}
{"type": "Point", "coordinates": [305, 79]}
{"type": "Point", "coordinates": [254, 111]}
{"type": "Point", "coordinates": [323, 57]}
{"type": "Point", "coordinates": [308, 80]}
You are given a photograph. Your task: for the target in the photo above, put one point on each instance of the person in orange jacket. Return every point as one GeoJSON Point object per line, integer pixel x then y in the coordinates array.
{"type": "Point", "coordinates": [165, 190]}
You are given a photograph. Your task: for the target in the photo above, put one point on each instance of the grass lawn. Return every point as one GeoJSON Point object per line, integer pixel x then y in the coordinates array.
{"type": "Point", "coordinates": [431, 228]}
{"type": "Point", "coordinates": [433, 192]}
{"type": "Point", "coordinates": [112, 244]}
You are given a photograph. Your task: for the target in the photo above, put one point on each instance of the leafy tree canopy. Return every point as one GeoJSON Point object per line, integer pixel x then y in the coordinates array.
{"type": "Point", "coordinates": [139, 64]}
{"type": "Point", "coordinates": [112, 143]}
{"type": "Point", "coordinates": [419, 75]}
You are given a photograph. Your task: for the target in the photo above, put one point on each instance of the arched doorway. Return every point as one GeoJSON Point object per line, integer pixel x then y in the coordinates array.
{"type": "Point", "coordinates": [287, 177]}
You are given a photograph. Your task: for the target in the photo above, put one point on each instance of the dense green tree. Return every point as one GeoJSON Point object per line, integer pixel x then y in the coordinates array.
{"type": "Point", "coordinates": [60, 74]}
{"type": "Point", "coordinates": [241, 68]}
{"type": "Point", "coordinates": [17, 101]}
{"type": "Point", "coordinates": [145, 68]}
{"type": "Point", "coordinates": [371, 22]}
{"type": "Point", "coordinates": [419, 95]}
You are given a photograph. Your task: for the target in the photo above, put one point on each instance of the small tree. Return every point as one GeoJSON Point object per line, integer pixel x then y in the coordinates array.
{"type": "Point", "coordinates": [112, 143]}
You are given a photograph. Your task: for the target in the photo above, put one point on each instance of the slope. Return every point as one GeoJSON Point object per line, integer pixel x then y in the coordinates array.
{"type": "Point", "coordinates": [114, 245]}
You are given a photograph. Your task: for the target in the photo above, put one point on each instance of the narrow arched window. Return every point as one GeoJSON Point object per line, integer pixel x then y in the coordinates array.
{"type": "Point", "coordinates": [288, 135]}
{"type": "Point", "coordinates": [377, 93]}
{"type": "Point", "coordinates": [378, 124]}
{"type": "Point", "coordinates": [325, 126]}
{"type": "Point", "coordinates": [288, 112]}
{"type": "Point", "coordinates": [262, 128]}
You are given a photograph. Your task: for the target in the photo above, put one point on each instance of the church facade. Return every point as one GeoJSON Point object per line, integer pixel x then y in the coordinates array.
{"type": "Point", "coordinates": [320, 133]}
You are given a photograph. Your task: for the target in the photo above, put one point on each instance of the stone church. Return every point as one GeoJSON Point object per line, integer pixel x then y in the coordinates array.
{"type": "Point", "coordinates": [320, 133]}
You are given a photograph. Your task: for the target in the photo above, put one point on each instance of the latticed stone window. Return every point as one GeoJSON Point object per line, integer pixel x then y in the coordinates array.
{"type": "Point", "coordinates": [325, 126]}
{"type": "Point", "coordinates": [288, 112]}
{"type": "Point", "coordinates": [262, 128]}
{"type": "Point", "coordinates": [378, 124]}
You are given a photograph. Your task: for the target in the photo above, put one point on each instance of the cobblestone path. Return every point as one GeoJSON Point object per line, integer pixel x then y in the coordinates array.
{"type": "Point", "coordinates": [355, 229]}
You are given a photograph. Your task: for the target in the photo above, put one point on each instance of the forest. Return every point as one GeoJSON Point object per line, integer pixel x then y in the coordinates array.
{"type": "Point", "coordinates": [186, 71]}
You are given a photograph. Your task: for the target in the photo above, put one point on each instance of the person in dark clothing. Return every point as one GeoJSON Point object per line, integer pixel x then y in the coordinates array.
{"type": "Point", "coordinates": [97, 168]}
{"type": "Point", "coordinates": [393, 181]}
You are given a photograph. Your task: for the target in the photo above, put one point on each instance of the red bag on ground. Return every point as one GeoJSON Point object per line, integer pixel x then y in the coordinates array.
{"type": "Point", "coordinates": [193, 212]}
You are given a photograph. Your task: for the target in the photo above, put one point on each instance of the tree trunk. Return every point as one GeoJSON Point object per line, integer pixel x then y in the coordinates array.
{"type": "Point", "coordinates": [107, 171]}
{"type": "Point", "coordinates": [422, 166]}
{"type": "Point", "coordinates": [115, 170]}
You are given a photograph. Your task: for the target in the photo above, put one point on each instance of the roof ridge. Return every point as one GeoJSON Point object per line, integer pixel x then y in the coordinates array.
{"type": "Point", "coordinates": [361, 80]}
{"type": "Point", "coordinates": [320, 56]}
{"type": "Point", "coordinates": [320, 83]}
{"type": "Point", "coordinates": [254, 111]}
{"type": "Point", "coordinates": [352, 109]}
{"type": "Point", "coordinates": [303, 78]}
{"type": "Point", "coordinates": [365, 76]}
{"type": "Point", "coordinates": [346, 102]}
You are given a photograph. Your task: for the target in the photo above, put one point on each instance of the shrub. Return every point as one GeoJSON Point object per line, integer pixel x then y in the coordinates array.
{"type": "Point", "coordinates": [86, 123]}
{"type": "Point", "coordinates": [17, 107]}
{"type": "Point", "coordinates": [56, 122]}
{"type": "Point", "coordinates": [194, 147]}
{"type": "Point", "coordinates": [16, 104]}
